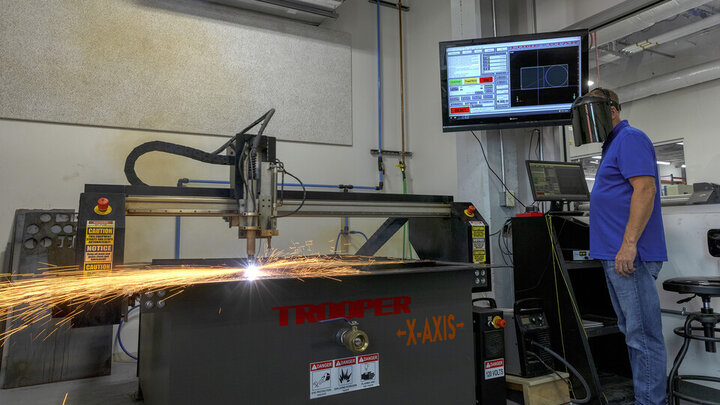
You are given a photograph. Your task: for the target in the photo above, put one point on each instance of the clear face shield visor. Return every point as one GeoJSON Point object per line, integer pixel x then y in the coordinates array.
{"type": "Point", "coordinates": [591, 119]}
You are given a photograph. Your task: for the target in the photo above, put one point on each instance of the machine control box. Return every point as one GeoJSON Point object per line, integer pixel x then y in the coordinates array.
{"type": "Point", "coordinates": [489, 335]}
{"type": "Point", "coordinates": [524, 326]}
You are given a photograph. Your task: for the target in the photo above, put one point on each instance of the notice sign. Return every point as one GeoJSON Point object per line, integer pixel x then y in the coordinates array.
{"type": "Point", "coordinates": [494, 369]}
{"type": "Point", "coordinates": [99, 245]}
{"type": "Point", "coordinates": [332, 377]}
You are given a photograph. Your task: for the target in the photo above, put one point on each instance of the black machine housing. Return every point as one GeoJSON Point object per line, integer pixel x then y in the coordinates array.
{"type": "Point", "coordinates": [463, 238]}
{"type": "Point", "coordinates": [529, 324]}
{"type": "Point", "coordinates": [489, 357]}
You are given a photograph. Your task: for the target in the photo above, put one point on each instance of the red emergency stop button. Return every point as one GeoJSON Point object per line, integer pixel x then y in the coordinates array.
{"type": "Point", "coordinates": [498, 322]}
{"type": "Point", "coordinates": [103, 206]}
{"type": "Point", "coordinates": [470, 211]}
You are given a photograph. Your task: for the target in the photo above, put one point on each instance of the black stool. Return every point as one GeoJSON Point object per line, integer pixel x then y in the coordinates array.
{"type": "Point", "coordinates": [705, 288]}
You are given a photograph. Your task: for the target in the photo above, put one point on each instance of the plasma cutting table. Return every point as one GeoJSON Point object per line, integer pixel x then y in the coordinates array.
{"type": "Point", "coordinates": [397, 333]}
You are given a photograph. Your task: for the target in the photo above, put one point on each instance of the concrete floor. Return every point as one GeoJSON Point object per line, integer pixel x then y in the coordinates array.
{"type": "Point", "coordinates": [115, 389]}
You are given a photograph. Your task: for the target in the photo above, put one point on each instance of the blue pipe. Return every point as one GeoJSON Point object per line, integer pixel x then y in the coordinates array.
{"type": "Point", "coordinates": [177, 237]}
{"type": "Point", "coordinates": [324, 186]}
{"type": "Point", "coordinates": [379, 80]}
{"type": "Point", "coordinates": [209, 181]}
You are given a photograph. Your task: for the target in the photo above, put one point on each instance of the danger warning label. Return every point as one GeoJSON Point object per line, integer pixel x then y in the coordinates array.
{"type": "Point", "coordinates": [494, 369]}
{"type": "Point", "coordinates": [99, 245]}
{"type": "Point", "coordinates": [338, 376]}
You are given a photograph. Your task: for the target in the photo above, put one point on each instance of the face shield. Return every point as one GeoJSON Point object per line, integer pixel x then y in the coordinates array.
{"type": "Point", "coordinates": [591, 119]}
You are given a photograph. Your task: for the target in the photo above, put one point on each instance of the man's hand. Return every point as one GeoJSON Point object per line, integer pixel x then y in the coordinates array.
{"type": "Point", "coordinates": [625, 258]}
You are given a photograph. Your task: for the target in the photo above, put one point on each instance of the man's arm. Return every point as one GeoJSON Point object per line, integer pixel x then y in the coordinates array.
{"type": "Point", "coordinates": [641, 207]}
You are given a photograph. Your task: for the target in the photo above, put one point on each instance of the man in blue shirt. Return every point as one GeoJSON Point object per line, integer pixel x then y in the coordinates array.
{"type": "Point", "coordinates": [626, 235]}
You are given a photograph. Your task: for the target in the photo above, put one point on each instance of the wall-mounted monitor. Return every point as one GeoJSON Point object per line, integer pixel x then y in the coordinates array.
{"type": "Point", "coordinates": [513, 81]}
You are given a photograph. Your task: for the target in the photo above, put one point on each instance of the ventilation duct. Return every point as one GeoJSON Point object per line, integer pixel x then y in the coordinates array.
{"type": "Point", "coordinates": [671, 81]}
{"type": "Point", "coordinates": [645, 19]}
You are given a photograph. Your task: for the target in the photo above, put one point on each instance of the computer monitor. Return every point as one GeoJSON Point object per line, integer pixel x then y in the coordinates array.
{"type": "Point", "coordinates": [513, 81]}
{"type": "Point", "coordinates": [557, 181]}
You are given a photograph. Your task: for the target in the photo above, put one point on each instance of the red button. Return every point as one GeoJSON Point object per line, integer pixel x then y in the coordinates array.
{"type": "Point", "coordinates": [498, 322]}
{"type": "Point", "coordinates": [103, 204]}
{"type": "Point", "coordinates": [471, 209]}
{"type": "Point", "coordinates": [458, 110]}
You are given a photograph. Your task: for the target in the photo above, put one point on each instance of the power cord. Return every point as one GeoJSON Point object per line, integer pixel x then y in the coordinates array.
{"type": "Point", "coordinates": [119, 339]}
{"type": "Point", "coordinates": [337, 240]}
{"type": "Point", "coordinates": [550, 368]}
{"type": "Point", "coordinates": [570, 367]}
{"type": "Point", "coordinates": [482, 148]}
{"type": "Point", "coordinates": [281, 165]}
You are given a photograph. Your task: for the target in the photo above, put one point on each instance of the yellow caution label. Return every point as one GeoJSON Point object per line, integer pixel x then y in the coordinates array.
{"type": "Point", "coordinates": [479, 255]}
{"type": "Point", "coordinates": [99, 245]}
{"type": "Point", "coordinates": [478, 231]}
{"type": "Point", "coordinates": [472, 80]}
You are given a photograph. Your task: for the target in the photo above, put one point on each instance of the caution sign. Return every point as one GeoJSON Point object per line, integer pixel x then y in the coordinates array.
{"type": "Point", "coordinates": [478, 229]}
{"type": "Point", "coordinates": [338, 376]}
{"type": "Point", "coordinates": [478, 233]}
{"type": "Point", "coordinates": [99, 245]}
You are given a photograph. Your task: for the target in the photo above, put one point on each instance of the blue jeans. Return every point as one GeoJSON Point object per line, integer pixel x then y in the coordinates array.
{"type": "Point", "coordinates": [636, 303]}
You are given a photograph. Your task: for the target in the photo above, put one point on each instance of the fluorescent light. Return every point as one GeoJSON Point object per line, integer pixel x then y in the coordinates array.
{"type": "Point", "coordinates": [590, 82]}
{"type": "Point", "coordinates": [590, 178]}
{"type": "Point", "coordinates": [681, 143]}
{"type": "Point", "coordinates": [594, 162]}
{"type": "Point", "coordinates": [660, 162]}
{"type": "Point", "coordinates": [683, 166]}
{"type": "Point", "coordinates": [597, 157]}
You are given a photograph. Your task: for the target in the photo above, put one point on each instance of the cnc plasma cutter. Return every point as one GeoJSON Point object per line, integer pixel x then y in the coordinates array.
{"type": "Point", "coordinates": [392, 333]}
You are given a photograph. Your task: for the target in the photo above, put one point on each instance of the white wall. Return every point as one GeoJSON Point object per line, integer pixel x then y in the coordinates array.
{"type": "Point", "coordinates": [45, 165]}
{"type": "Point", "coordinates": [686, 114]}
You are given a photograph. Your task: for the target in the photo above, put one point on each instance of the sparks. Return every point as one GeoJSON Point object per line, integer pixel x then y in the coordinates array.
{"type": "Point", "coordinates": [28, 299]}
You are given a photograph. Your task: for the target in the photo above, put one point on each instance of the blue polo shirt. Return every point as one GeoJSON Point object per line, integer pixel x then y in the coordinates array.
{"type": "Point", "coordinates": [627, 153]}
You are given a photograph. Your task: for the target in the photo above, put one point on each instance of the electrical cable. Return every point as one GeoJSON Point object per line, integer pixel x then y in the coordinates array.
{"type": "Point", "coordinates": [349, 232]}
{"type": "Point", "coordinates": [532, 135]}
{"type": "Point", "coordinates": [173, 149]}
{"type": "Point", "coordinates": [264, 119]}
{"type": "Point", "coordinates": [303, 187]}
{"type": "Point", "coordinates": [502, 242]}
{"type": "Point", "coordinates": [482, 148]}
{"type": "Point", "coordinates": [360, 233]}
{"type": "Point", "coordinates": [569, 384]}
{"type": "Point", "coordinates": [119, 339]}
{"type": "Point", "coordinates": [572, 370]}
{"type": "Point", "coordinates": [597, 58]}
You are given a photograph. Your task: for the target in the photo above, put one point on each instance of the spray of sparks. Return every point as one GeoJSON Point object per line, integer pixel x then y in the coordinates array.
{"type": "Point", "coordinates": [28, 299]}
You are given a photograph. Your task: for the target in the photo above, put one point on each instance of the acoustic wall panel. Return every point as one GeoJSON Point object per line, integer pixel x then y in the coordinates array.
{"type": "Point", "coordinates": [180, 66]}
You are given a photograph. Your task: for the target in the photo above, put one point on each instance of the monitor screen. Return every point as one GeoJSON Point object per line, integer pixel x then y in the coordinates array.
{"type": "Point", "coordinates": [557, 181]}
{"type": "Point", "coordinates": [515, 81]}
